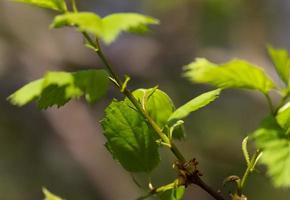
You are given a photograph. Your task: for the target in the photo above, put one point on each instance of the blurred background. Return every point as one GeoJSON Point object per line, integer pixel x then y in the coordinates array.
{"type": "Point", "coordinates": [62, 149]}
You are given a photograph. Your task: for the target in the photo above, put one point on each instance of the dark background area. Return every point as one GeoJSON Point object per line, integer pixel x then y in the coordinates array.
{"type": "Point", "coordinates": [62, 149]}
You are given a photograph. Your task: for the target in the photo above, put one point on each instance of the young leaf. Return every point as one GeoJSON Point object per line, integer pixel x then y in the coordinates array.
{"type": "Point", "coordinates": [234, 74]}
{"type": "Point", "coordinates": [107, 28]}
{"type": "Point", "coordinates": [173, 194]}
{"type": "Point", "coordinates": [129, 139]}
{"type": "Point", "coordinates": [84, 21]}
{"type": "Point", "coordinates": [283, 117]}
{"type": "Point", "coordinates": [49, 196]}
{"type": "Point", "coordinates": [94, 83]}
{"type": "Point", "coordinates": [176, 130]}
{"type": "Point", "coordinates": [27, 93]}
{"type": "Point", "coordinates": [157, 103]}
{"type": "Point", "coordinates": [57, 88]}
{"type": "Point", "coordinates": [159, 106]}
{"type": "Point", "coordinates": [114, 24]}
{"type": "Point", "coordinates": [193, 105]}
{"type": "Point", "coordinates": [275, 144]}
{"type": "Point", "coordinates": [245, 150]}
{"type": "Point", "coordinates": [58, 5]}
{"type": "Point", "coordinates": [281, 62]}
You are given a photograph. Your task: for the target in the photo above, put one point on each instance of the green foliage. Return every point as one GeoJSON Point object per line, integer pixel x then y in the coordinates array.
{"type": "Point", "coordinates": [159, 106]}
{"type": "Point", "coordinates": [193, 105]}
{"type": "Point", "coordinates": [129, 139]}
{"type": "Point", "coordinates": [283, 117]}
{"type": "Point", "coordinates": [275, 144]}
{"type": "Point", "coordinates": [84, 21]}
{"type": "Point", "coordinates": [107, 28]}
{"type": "Point", "coordinates": [58, 5]}
{"type": "Point", "coordinates": [27, 93]}
{"type": "Point", "coordinates": [173, 194]}
{"type": "Point", "coordinates": [57, 88]}
{"type": "Point", "coordinates": [131, 22]}
{"type": "Point", "coordinates": [234, 74]}
{"type": "Point", "coordinates": [132, 131]}
{"type": "Point", "coordinates": [49, 196]}
{"type": "Point", "coordinates": [245, 150]}
{"type": "Point", "coordinates": [281, 62]}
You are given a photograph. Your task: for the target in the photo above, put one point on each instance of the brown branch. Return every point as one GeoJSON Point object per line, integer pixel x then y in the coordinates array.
{"type": "Point", "coordinates": [191, 175]}
{"type": "Point", "coordinates": [195, 179]}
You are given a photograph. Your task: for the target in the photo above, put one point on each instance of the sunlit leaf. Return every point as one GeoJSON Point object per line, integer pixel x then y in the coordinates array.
{"type": "Point", "coordinates": [234, 74]}
{"type": "Point", "coordinates": [173, 194]}
{"type": "Point", "coordinates": [49, 196]}
{"type": "Point", "coordinates": [58, 5]}
{"type": "Point", "coordinates": [84, 21]}
{"type": "Point", "coordinates": [281, 61]}
{"type": "Point", "coordinates": [129, 139]}
{"type": "Point", "coordinates": [114, 24]}
{"type": "Point", "coordinates": [275, 144]}
{"type": "Point", "coordinates": [108, 28]}
{"type": "Point", "coordinates": [283, 117]}
{"type": "Point", "coordinates": [27, 93]}
{"type": "Point", "coordinates": [57, 88]}
{"type": "Point", "coordinates": [193, 105]}
{"type": "Point", "coordinates": [159, 106]}
{"type": "Point", "coordinates": [157, 103]}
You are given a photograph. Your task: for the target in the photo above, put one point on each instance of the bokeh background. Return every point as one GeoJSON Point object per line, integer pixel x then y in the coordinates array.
{"type": "Point", "coordinates": [63, 149]}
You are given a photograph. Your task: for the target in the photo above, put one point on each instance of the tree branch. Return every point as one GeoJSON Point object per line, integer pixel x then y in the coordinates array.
{"type": "Point", "coordinates": [195, 179]}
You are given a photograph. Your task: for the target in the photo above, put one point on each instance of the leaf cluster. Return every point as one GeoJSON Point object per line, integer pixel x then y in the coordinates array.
{"type": "Point", "coordinates": [57, 88]}
{"type": "Point", "coordinates": [145, 120]}
{"type": "Point", "coordinates": [272, 137]}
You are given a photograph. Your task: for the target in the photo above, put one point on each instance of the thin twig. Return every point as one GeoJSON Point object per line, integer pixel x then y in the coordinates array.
{"type": "Point", "coordinates": [195, 179]}
{"type": "Point", "coordinates": [270, 103]}
{"type": "Point", "coordinates": [250, 168]}
{"type": "Point", "coordinates": [282, 102]}
{"type": "Point", "coordinates": [74, 6]}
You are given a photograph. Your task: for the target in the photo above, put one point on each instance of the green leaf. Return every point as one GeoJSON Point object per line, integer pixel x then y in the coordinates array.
{"type": "Point", "coordinates": [49, 196]}
{"type": "Point", "coordinates": [281, 61]}
{"type": "Point", "coordinates": [129, 139]}
{"type": "Point", "coordinates": [58, 5]}
{"type": "Point", "coordinates": [173, 194]}
{"type": "Point", "coordinates": [159, 106]}
{"type": "Point", "coordinates": [94, 83]}
{"type": "Point", "coordinates": [275, 144]}
{"type": "Point", "coordinates": [234, 74]}
{"type": "Point", "coordinates": [283, 117]}
{"type": "Point", "coordinates": [245, 150]}
{"type": "Point", "coordinates": [157, 103]}
{"type": "Point", "coordinates": [114, 24]}
{"type": "Point", "coordinates": [193, 105]}
{"type": "Point", "coordinates": [84, 21]}
{"type": "Point", "coordinates": [57, 88]}
{"type": "Point", "coordinates": [108, 28]}
{"type": "Point", "coordinates": [175, 129]}
{"type": "Point", "coordinates": [27, 93]}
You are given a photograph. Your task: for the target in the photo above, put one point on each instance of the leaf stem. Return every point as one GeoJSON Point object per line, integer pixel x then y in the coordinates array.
{"type": "Point", "coordinates": [164, 188]}
{"type": "Point", "coordinates": [249, 169]}
{"type": "Point", "coordinates": [198, 181]}
{"type": "Point", "coordinates": [282, 101]}
{"type": "Point", "coordinates": [74, 6]}
{"type": "Point", "coordinates": [270, 103]}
